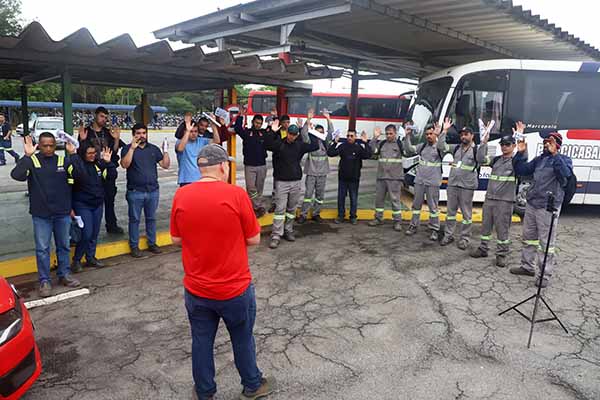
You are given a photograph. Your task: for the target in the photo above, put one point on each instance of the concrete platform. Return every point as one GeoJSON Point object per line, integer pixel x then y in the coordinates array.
{"type": "Point", "coordinates": [345, 312]}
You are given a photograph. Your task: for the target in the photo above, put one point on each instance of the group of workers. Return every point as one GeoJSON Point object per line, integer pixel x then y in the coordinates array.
{"type": "Point", "coordinates": [83, 184]}
{"type": "Point", "coordinates": [550, 172]}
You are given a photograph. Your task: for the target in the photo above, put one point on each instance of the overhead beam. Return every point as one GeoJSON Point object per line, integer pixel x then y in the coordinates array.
{"type": "Point", "coordinates": [325, 12]}
{"type": "Point", "coordinates": [414, 20]}
{"type": "Point", "coordinates": [267, 51]}
{"type": "Point", "coordinates": [46, 75]}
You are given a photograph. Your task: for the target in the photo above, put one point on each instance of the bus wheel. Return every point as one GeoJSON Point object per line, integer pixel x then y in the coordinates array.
{"type": "Point", "coordinates": [521, 200]}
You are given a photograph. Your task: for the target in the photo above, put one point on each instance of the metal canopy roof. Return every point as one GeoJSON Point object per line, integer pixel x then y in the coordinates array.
{"type": "Point", "coordinates": [395, 38]}
{"type": "Point", "coordinates": [33, 57]}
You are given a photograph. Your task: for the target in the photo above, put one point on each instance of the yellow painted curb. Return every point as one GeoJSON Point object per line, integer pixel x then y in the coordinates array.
{"type": "Point", "coordinates": [27, 265]}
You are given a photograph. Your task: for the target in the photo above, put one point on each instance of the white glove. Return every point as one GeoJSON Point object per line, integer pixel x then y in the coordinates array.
{"type": "Point", "coordinates": [165, 146]}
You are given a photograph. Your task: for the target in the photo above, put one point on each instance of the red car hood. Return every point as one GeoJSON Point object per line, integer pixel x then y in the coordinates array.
{"type": "Point", "coordinates": [7, 298]}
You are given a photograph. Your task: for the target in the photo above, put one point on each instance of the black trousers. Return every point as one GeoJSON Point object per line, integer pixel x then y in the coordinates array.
{"type": "Point", "coordinates": [110, 192]}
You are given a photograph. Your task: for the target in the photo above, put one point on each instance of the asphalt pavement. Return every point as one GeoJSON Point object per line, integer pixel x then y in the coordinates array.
{"type": "Point", "coordinates": [345, 312]}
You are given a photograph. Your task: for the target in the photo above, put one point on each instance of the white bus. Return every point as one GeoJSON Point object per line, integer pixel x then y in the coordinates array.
{"type": "Point", "coordinates": [561, 95]}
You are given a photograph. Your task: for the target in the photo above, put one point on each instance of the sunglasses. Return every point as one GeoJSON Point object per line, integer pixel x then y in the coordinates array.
{"type": "Point", "coordinates": [505, 144]}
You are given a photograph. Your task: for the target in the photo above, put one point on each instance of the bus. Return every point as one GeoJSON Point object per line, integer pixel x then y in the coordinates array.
{"type": "Point", "coordinates": [545, 95]}
{"type": "Point", "coordinates": [373, 109]}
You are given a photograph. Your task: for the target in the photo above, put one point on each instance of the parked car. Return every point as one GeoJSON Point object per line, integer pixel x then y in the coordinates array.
{"type": "Point", "coordinates": [48, 124]}
{"type": "Point", "coordinates": [20, 362]}
{"type": "Point", "coordinates": [19, 129]}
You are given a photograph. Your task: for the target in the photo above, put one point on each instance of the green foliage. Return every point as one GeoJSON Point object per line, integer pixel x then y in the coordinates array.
{"type": "Point", "coordinates": [10, 17]}
{"type": "Point", "coordinates": [123, 96]}
{"type": "Point", "coordinates": [11, 90]}
{"type": "Point", "coordinates": [178, 105]}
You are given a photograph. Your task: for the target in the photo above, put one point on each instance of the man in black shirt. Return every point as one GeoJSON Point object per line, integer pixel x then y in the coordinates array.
{"type": "Point", "coordinates": [139, 159]}
{"type": "Point", "coordinates": [351, 153]}
{"type": "Point", "coordinates": [101, 137]}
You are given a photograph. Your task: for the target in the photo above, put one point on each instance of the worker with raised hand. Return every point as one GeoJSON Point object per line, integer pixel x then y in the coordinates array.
{"type": "Point", "coordinates": [462, 183]}
{"type": "Point", "coordinates": [499, 197]}
{"type": "Point", "coordinates": [428, 176]}
{"type": "Point", "coordinates": [316, 169]}
{"type": "Point", "coordinates": [390, 174]}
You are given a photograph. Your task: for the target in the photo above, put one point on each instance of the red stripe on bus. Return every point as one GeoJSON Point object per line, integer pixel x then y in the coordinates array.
{"type": "Point", "coordinates": [335, 117]}
{"type": "Point", "coordinates": [583, 134]}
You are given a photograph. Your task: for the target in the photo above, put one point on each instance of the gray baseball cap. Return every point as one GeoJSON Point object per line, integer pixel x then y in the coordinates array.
{"type": "Point", "coordinates": [213, 154]}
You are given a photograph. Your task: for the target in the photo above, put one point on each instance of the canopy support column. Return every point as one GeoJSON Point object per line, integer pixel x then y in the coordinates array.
{"type": "Point", "coordinates": [24, 110]}
{"type": "Point", "coordinates": [353, 106]}
{"type": "Point", "coordinates": [67, 100]}
{"type": "Point", "coordinates": [231, 141]}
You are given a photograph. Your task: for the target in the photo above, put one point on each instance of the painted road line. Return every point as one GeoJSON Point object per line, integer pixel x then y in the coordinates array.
{"type": "Point", "coordinates": [54, 299]}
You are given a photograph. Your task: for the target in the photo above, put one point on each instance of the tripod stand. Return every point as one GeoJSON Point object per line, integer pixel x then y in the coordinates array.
{"type": "Point", "coordinates": [538, 295]}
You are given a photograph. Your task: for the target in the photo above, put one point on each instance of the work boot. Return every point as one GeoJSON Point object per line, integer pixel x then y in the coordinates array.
{"type": "Point", "coordinates": [94, 263]}
{"type": "Point", "coordinates": [478, 253]}
{"type": "Point", "coordinates": [398, 226]}
{"type": "Point", "coordinates": [136, 252]}
{"type": "Point", "coordinates": [521, 271]}
{"type": "Point", "coordinates": [338, 220]}
{"type": "Point", "coordinates": [353, 221]}
{"type": "Point", "coordinates": [267, 386]}
{"type": "Point", "coordinates": [259, 212]}
{"type": "Point", "coordinates": [317, 218]}
{"type": "Point", "coordinates": [45, 289]}
{"type": "Point", "coordinates": [76, 267]}
{"type": "Point", "coordinates": [447, 240]}
{"type": "Point", "coordinates": [301, 219]}
{"type": "Point", "coordinates": [435, 236]}
{"type": "Point", "coordinates": [411, 230]}
{"type": "Point", "coordinates": [69, 281]}
{"type": "Point", "coordinates": [289, 236]}
{"type": "Point", "coordinates": [501, 261]}
{"type": "Point", "coordinates": [274, 244]}
{"type": "Point", "coordinates": [115, 230]}
{"type": "Point", "coordinates": [462, 244]}
{"type": "Point", "coordinates": [545, 282]}
{"type": "Point", "coordinates": [375, 222]}
{"type": "Point", "coordinates": [154, 249]}
{"type": "Point", "coordinates": [195, 395]}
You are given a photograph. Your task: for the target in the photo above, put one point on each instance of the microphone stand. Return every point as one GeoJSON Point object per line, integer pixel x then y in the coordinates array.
{"type": "Point", "coordinates": [538, 295]}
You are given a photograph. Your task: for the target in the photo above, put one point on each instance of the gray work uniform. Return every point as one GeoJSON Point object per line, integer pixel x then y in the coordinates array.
{"type": "Point", "coordinates": [316, 169]}
{"type": "Point", "coordinates": [255, 177]}
{"type": "Point", "coordinates": [462, 182]}
{"type": "Point", "coordinates": [536, 223]}
{"type": "Point", "coordinates": [390, 174]}
{"type": "Point", "coordinates": [499, 200]}
{"type": "Point", "coordinates": [427, 180]}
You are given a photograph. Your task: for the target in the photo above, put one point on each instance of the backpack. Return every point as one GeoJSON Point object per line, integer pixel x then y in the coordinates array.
{"type": "Point", "coordinates": [383, 142]}
{"type": "Point", "coordinates": [570, 188]}
{"type": "Point", "coordinates": [495, 159]}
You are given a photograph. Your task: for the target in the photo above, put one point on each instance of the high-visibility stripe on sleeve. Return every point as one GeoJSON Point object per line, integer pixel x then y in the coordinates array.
{"type": "Point", "coordinates": [61, 161]}
{"type": "Point", "coordinates": [36, 161]}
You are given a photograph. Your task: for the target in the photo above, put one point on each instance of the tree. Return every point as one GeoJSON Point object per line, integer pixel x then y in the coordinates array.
{"type": "Point", "coordinates": [10, 17]}
{"type": "Point", "coordinates": [123, 96]}
{"type": "Point", "coordinates": [178, 105]}
{"type": "Point", "coordinates": [10, 90]}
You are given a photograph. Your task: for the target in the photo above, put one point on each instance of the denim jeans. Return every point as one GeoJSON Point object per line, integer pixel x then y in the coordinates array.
{"type": "Point", "coordinates": [92, 219]}
{"type": "Point", "coordinates": [138, 201]}
{"type": "Point", "coordinates": [345, 187]}
{"type": "Point", "coordinates": [238, 314]}
{"type": "Point", "coordinates": [43, 229]}
{"type": "Point", "coordinates": [6, 145]}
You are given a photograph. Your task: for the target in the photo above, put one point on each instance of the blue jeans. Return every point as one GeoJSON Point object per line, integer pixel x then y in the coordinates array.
{"type": "Point", "coordinates": [43, 228]}
{"type": "Point", "coordinates": [345, 187]}
{"type": "Point", "coordinates": [238, 314]}
{"type": "Point", "coordinates": [138, 201]}
{"type": "Point", "coordinates": [92, 219]}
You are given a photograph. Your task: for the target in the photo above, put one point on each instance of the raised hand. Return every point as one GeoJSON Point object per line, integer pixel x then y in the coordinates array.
{"type": "Point", "coordinates": [326, 114]}
{"type": "Point", "coordinates": [437, 129]}
{"type": "Point", "coordinates": [106, 154]}
{"type": "Point", "coordinates": [520, 128]}
{"type": "Point", "coordinates": [28, 147]}
{"type": "Point", "coordinates": [447, 124]}
{"type": "Point", "coordinates": [188, 121]}
{"type": "Point", "coordinates": [310, 114]}
{"type": "Point", "coordinates": [244, 110]}
{"type": "Point", "coordinates": [521, 146]}
{"type": "Point", "coordinates": [275, 125]}
{"type": "Point", "coordinates": [82, 132]}
{"type": "Point", "coordinates": [364, 137]}
{"type": "Point", "coordinates": [299, 122]}
{"type": "Point", "coordinates": [135, 143]}
{"type": "Point", "coordinates": [376, 133]}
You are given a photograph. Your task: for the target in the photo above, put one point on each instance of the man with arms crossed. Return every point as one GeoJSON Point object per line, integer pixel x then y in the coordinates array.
{"type": "Point", "coordinates": [217, 281]}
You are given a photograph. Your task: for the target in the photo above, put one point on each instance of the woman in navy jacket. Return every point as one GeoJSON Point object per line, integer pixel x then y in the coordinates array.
{"type": "Point", "coordinates": [89, 173]}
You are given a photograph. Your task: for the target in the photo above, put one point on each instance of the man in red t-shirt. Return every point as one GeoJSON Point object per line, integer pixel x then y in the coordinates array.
{"type": "Point", "coordinates": [217, 280]}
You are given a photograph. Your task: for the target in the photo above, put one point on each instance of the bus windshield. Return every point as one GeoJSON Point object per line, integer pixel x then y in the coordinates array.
{"type": "Point", "coordinates": [428, 104]}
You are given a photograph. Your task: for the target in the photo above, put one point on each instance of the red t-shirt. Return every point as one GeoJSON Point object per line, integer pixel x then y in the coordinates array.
{"type": "Point", "coordinates": [203, 212]}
